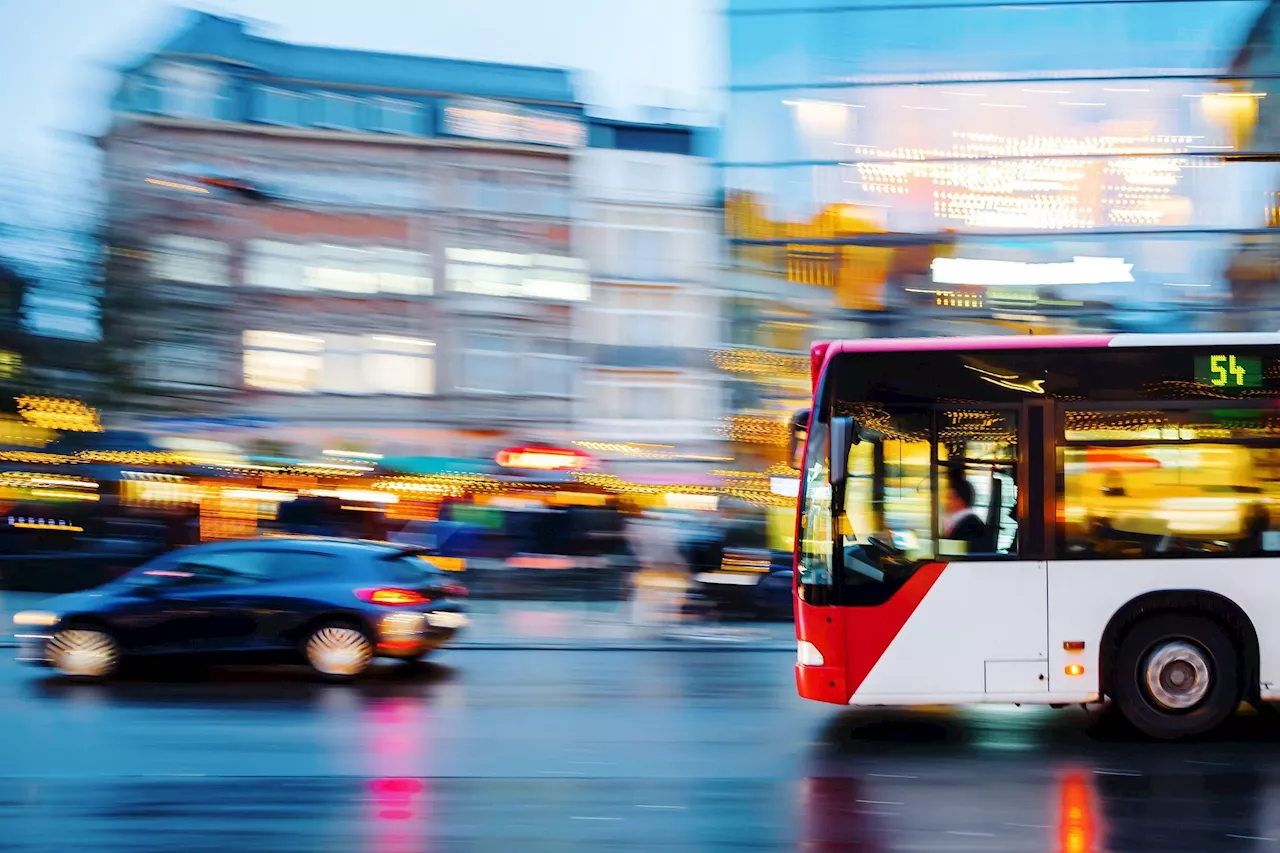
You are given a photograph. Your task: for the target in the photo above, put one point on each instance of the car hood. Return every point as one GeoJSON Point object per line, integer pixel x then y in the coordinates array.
{"type": "Point", "coordinates": [74, 602]}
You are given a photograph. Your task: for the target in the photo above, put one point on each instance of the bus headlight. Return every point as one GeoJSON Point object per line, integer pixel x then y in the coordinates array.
{"type": "Point", "coordinates": [807, 654]}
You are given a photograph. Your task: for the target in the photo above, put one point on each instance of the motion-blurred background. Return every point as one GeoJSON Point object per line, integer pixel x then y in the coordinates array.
{"type": "Point", "coordinates": [570, 271]}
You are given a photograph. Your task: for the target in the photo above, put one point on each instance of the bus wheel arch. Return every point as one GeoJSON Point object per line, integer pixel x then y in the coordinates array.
{"type": "Point", "coordinates": [1213, 613]}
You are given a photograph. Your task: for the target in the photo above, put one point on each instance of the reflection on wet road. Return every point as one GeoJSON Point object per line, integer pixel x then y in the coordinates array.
{"type": "Point", "coordinates": [514, 750]}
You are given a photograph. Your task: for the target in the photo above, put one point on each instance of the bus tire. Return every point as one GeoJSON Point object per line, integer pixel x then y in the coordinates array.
{"type": "Point", "coordinates": [1177, 676]}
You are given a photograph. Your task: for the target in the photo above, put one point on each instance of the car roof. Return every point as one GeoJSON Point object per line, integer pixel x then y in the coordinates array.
{"type": "Point", "coordinates": [320, 544]}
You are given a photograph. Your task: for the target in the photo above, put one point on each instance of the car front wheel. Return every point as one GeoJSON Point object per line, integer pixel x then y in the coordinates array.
{"type": "Point", "coordinates": [338, 651]}
{"type": "Point", "coordinates": [84, 652]}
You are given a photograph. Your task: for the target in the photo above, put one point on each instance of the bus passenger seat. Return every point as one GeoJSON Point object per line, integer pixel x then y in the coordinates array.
{"type": "Point", "coordinates": [991, 533]}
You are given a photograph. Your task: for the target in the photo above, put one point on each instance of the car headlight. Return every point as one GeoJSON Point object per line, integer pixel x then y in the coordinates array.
{"type": "Point", "coordinates": [42, 618]}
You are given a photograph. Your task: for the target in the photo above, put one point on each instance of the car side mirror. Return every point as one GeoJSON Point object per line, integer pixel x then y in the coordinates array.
{"type": "Point", "coordinates": [842, 436]}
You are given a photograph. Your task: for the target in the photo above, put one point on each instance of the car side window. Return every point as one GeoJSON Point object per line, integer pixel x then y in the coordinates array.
{"type": "Point", "coordinates": [285, 565]}
{"type": "Point", "coordinates": [219, 569]}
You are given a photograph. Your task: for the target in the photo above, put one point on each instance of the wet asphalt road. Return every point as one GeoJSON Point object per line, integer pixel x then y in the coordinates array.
{"type": "Point", "coordinates": [605, 750]}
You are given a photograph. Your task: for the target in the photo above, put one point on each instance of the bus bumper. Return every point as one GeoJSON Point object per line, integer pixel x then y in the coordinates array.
{"type": "Point", "coordinates": [821, 684]}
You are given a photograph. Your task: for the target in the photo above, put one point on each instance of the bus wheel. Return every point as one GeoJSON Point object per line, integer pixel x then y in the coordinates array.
{"type": "Point", "coordinates": [1177, 676]}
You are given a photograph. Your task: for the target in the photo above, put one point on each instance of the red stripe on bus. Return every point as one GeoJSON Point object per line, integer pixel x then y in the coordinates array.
{"type": "Point", "coordinates": [872, 629]}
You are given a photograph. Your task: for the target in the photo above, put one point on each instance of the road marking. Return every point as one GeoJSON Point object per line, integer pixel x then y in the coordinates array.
{"type": "Point", "coordinates": [1210, 763]}
{"type": "Point", "coordinates": [561, 773]}
{"type": "Point", "coordinates": [892, 776]}
{"type": "Point", "coordinates": [1250, 837]}
{"type": "Point", "coordinates": [588, 817]}
{"type": "Point", "coordinates": [1030, 825]}
{"type": "Point", "coordinates": [971, 834]}
{"type": "Point", "coordinates": [674, 808]}
{"type": "Point", "coordinates": [879, 803]}
{"type": "Point", "coordinates": [1101, 771]}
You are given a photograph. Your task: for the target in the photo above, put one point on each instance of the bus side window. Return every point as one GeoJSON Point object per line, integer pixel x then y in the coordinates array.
{"type": "Point", "coordinates": [977, 483]}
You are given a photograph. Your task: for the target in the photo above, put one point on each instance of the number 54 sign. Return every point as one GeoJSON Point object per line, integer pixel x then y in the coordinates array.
{"type": "Point", "coordinates": [1227, 371]}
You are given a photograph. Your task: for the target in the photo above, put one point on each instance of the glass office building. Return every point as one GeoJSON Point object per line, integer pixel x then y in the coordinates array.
{"type": "Point", "coordinates": [963, 167]}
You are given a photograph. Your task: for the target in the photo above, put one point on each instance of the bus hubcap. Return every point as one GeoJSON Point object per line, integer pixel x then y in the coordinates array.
{"type": "Point", "coordinates": [1177, 675]}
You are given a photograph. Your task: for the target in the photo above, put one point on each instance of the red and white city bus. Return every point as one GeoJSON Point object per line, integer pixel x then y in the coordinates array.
{"type": "Point", "coordinates": [1056, 520]}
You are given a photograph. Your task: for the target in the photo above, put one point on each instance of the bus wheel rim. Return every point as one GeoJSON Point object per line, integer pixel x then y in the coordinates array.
{"type": "Point", "coordinates": [339, 651]}
{"type": "Point", "coordinates": [1177, 675]}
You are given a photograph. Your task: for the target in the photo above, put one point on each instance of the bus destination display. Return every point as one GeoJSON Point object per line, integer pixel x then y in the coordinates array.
{"type": "Point", "coordinates": [1229, 371]}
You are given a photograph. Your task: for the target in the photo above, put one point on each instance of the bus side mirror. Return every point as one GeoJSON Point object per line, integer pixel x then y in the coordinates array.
{"type": "Point", "coordinates": [798, 431]}
{"type": "Point", "coordinates": [844, 435]}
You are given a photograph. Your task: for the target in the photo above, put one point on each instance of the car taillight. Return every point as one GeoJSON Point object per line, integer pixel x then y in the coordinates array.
{"type": "Point", "coordinates": [391, 597]}
{"type": "Point", "coordinates": [454, 590]}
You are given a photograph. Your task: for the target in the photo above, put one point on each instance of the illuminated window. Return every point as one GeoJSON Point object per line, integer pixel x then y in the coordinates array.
{"type": "Point", "coordinates": [403, 272]}
{"type": "Point", "coordinates": [396, 116]}
{"type": "Point", "coordinates": [191, 260]}
{"type": "Point", "coordinates": [345, 269]}
{"type": "Point", "coordinates": [190, 92]}
{"type": "Point", "coordinates": [493, 273]}
{"type": "Point", "coordinates": [337, 269]}
{"type": "Point", "coordinates": [278, 106]}
{"type": "Point", "coordinates": [1170, 483]}
{"type": "Point", "coordinates": [338, 112]}
{"type": "Point", "coordinates": [276, 361]}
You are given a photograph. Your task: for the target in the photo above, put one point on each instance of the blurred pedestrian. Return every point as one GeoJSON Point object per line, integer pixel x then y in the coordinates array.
{"type": "Point", "coordinates": [662, 577]}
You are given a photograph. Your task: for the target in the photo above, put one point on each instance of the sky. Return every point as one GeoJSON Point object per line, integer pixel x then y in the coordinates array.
{"type": "Point", "coordinates": [57, 56]}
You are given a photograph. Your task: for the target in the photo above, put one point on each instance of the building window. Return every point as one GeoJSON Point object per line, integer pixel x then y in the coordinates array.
{"type": "Point", "coordinates": [492, 273]}
{"type": "Point", "coordinates": [488, 364]}
{"type": "Point", "coordinates": [183, 365]}
{"type": "Point", "coordinates": [396, 116]}
{"type": "Point", "coordinates": [278, 106]}
{"type": "Point", "coordinates": [396, 365]}
{"type": "Point", "coordinates": [550, 368]}
{"type": "Point", "coordinates": [497, 364]}
{"type": "Point", "coordinates": [363, 271]}
{"type": "Point", "coordinates": [402, 272]}
{"type": "Point", "coordinates": [276, 361]}
{"type": "Point", "coordinates": [338, 112]}
{"type": "Point", "coordinates": [647, 402]}
{"type": "Point", "coordinates": [339, 364]}
{"type": "Point", "coordinates": [191, 260]}
{"type": "Point", "coordinates": [190, 92]}
{"type": "Point", "coordinates": [645, 254]}
{"type": "Point", "coordinates": [274, 265]}
{"type": "Point", "coordinates": [342, 268]}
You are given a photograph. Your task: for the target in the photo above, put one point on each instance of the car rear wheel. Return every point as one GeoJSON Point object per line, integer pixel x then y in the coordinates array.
{"type": "Point", "coordinates": [84, 652]}
{"type": "Point", "coordinates": [1177, 676]}
{"type": "Point", "coordinates": [338, 650]}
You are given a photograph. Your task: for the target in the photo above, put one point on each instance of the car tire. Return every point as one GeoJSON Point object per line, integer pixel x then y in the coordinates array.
{"type": "Point", "coordinates": [1177, 676]}
{"type": "Point", "coordinates": [338, 651]}
{"type": "Point", "coordinates": [84, 652]}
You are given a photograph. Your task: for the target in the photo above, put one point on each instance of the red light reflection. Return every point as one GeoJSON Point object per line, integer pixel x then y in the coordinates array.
{"type": "Point", "coordinates": [1077, 820]}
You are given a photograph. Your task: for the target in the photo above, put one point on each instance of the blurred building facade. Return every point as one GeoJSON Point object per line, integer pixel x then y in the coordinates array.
{"type": "Point", "coordinates": [979, 169]}
{"type": "Point", "coordinates": [650, 232]}
{"type": "Point", "coordinates": [342, 249]}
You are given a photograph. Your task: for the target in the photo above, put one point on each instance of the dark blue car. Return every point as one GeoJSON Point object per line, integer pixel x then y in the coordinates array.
{"type": "Point", "coordinates": [335, 604]}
